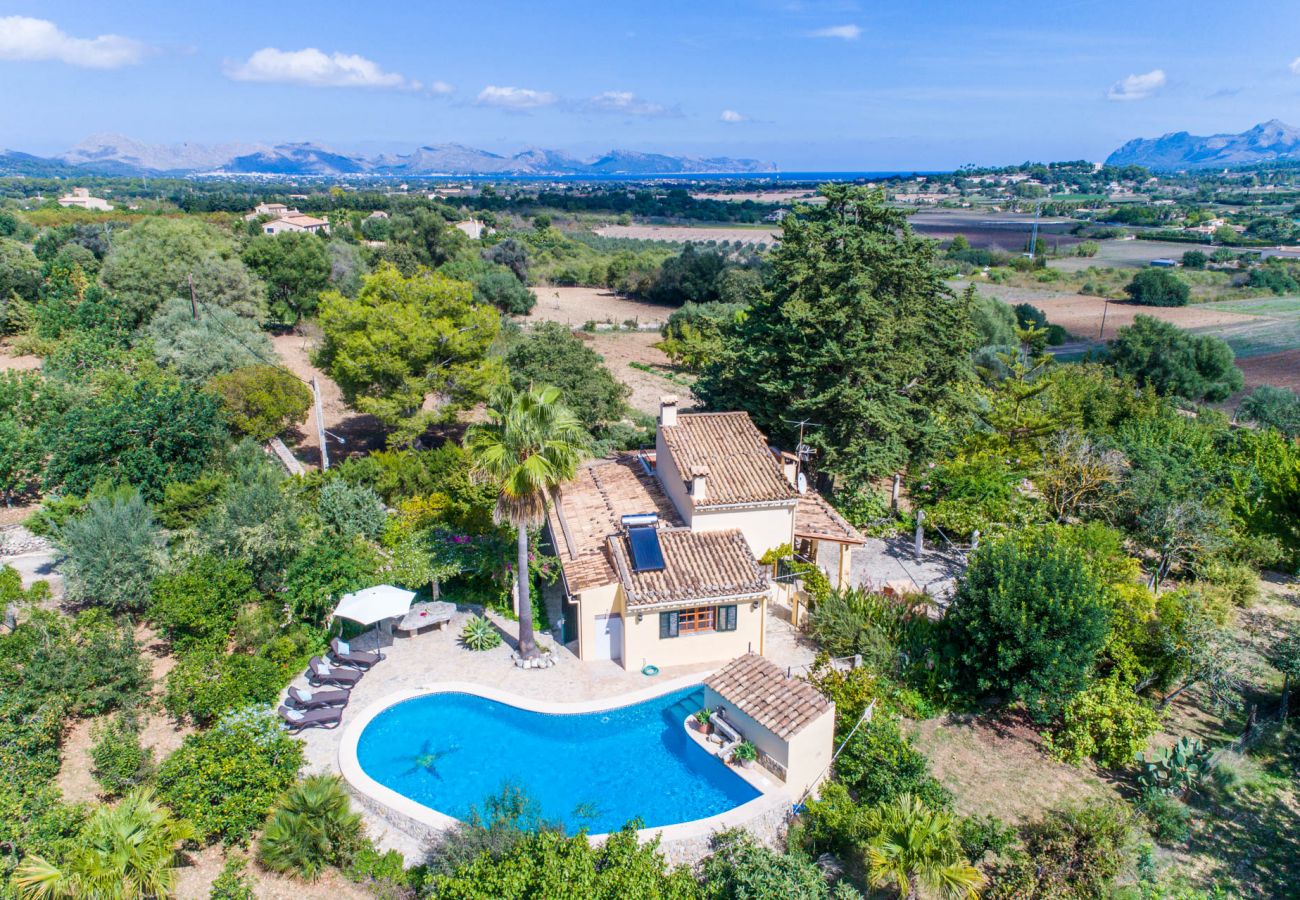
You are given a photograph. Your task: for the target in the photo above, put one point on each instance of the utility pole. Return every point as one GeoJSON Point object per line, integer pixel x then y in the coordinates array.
{"type": "Point", "coordinates": [194, 303]}
{"type": "Point", "coordinates": [1101, 335]}
{"type": "Point", "coordinates": [320, 426]}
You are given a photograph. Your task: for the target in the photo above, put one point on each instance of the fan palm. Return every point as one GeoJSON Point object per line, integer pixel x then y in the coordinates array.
{"type": "Point", "coordinates": [311, 829]}
{"type": "Point", "coordinates": [915, 846]}
{"type": "Point", "coordinates": [125, 852]}
{"type": "Point", "coordinates": [530, 445]}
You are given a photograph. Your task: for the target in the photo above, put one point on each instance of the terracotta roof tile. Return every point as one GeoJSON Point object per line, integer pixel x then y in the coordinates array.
{"type": "Point", "coordinates": [761, 690]}
{"type": "Point", "coordinates": [698, 565]}
{"type": "Point", "coordinates": [589, 509]}
{"type": "Point", "coordinates": [814, 517]}
{"type": "Point", "coordinates": [741, 467]}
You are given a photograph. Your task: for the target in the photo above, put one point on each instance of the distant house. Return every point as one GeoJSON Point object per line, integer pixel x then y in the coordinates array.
{"type": "Point", "coordinates": [659, 551]}
{"type": "Point", "coordinates": [296, 222]}
{"type": "Point", "coordinates": [473, 228]}
{"type": "Point", "coordinates": [274, 210]}
{"type": "Point", "coordinates": [80, 199]}
{"type": "Point", "coordinates": [378, 214]}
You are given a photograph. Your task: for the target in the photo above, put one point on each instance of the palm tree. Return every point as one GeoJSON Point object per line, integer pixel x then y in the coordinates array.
{"type": "Point", "coordinates": [529, 447]}
{"type": "Point", "coordinates": [125, 852]}
{"type": "Point", "coordinates": [914, 846]}
{"type": "Point", "coordinates": [312, 828]}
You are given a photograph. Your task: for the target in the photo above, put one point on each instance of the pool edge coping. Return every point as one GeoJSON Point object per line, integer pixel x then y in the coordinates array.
{"type": "Point", "coordinates": [356, 777]}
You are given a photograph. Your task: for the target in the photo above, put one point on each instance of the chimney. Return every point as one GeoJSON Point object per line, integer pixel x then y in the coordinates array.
{"type": "Point", "coordinates": [699, 475]}
{"type": "Point", "coordinates": [668, 410]}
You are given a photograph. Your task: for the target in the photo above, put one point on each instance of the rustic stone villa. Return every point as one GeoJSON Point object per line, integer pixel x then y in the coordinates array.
{"type": "Point", "coordinates": [660, 551]}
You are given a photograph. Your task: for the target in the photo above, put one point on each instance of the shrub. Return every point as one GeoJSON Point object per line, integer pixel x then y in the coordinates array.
{"type": "Point", "coordinates": [110, 554]}
{"type": "Point", "coordinates": [1273, 407]}
{"type": "Point", "coordinates": [121, 763]}
{"type": "Point", "coordinates": [1076, 851]}
{"type": "Point", "coordinates": [325, 570]}
{"type": "Point", "coordinates": [1169, 818]}
{"type": "Point", "coordinates": [261, 401]}
{"type": "Point", "coordinates": [500, 288]}
{"type": "Point", "coordinates": [1195, 259]}
{"type": "Point", "coordinates": [311, 829]}
{"type": "Point", "coordinates": [1107, 722]}
{"type": "Point", "coordinates": [232, 883]}
{"type": "Point", "coordinates": [226, 779]}
{"type": "Point", "coordinates": [199, 603]}
{"type": "Point", "coordinates": [351, 510]}
{"type": "Point", "coordinates": [386, 871]}
{"type": "Point", "coordinates": [1158, 287]}
{"type": "Point", "coordinates": [878, 765]}
{"type": "Point", "coordinates": [1028, 620]}
{"type": "Point", "coordinates": [742, 869]}
{"type": "Point", "coordinates": [479, 634]}
{"type": "Point", "coordinates": [208, 682]}
{"type": "Point", "coordinates": [551, 354]}
{"type": "Point", "coordinates": [982, 835]}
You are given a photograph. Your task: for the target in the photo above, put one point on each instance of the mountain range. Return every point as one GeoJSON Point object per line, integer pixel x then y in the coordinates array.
{"type": "Point", "coordinates": [113, 154]}
{"type": "Point", "coordinates": [1270, 141]}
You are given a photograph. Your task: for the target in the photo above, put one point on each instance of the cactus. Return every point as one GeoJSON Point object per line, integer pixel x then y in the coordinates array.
{"type": "Point", "coordinates": [1176, 771]}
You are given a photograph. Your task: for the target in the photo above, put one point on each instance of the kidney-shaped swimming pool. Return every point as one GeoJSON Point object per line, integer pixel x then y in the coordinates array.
{"type": "Point", "coordinates": [598, 770]}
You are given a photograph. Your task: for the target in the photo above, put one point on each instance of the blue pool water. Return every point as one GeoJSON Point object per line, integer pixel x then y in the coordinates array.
{"type": "Point", "coordinates": [594, 770]}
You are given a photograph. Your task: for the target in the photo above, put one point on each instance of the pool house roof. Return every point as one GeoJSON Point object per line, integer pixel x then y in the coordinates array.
{"type": "Point", "coordinates": [763, 691]}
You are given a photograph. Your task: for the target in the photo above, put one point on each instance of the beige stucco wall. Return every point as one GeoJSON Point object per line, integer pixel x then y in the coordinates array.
{"type": "Point", "coordinates": [599, 601]}
{"type": "Point", "coordinates": [763, 528]}
{"type": "Point", "coordinates": [806, 755]}
{"type": "Point", "coordinates": [670, 479]}
{"type": "Point", "coordinates": [810, 753]}
{"type": "Point", "coordinates": [642, 644]}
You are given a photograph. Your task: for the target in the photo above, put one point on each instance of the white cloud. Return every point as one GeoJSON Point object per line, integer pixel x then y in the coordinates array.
{"type": "Point", "coordinates": [1295, 66]}
{"type": "Point", "coordinates": [628, 104]}
{"type": "Point", "coordinates": [514, 98]}
{"type": "Point", "coordinates": [440, 87]}
{"type": "Point", "coordinates": [314, 68]}
{"type": "Point", "coordinates": [26, 39]}
{"type": "Point", "coordinates": [843, 32]}
{"type": "Point", "coordinates": [731, 116]}
{"type": "Point", "coordinates": [1137, 87]}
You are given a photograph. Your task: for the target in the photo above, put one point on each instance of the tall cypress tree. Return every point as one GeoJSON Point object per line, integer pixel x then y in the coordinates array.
{"type": "Point", "coordinates": [856, 333]}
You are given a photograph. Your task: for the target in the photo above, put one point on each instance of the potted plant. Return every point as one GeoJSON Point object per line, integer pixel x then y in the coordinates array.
{"type": "Point", "coordinates": [702, 724]}
{"type": "Point", "coordinates": [745, 754]}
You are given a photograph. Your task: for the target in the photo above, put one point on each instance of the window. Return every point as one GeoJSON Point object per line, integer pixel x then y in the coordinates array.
{"type": "Point", "coordinates": [690, 621]}
{"type": "Point", "coordinates": [696, 620]}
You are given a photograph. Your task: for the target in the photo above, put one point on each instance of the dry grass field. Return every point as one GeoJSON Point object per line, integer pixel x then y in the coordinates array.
{"type": "Point", "coordinates": [1278, 369]}
{"type": "Point", "coordinates": [1081, 314]}
{"type": "Point", "coordinates": [623, 349]}
{"type": "Point", "coordinates": [578, 305]}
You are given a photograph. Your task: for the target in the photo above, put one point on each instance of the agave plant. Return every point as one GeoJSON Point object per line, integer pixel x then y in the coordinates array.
{"type": "Point", "coordinates": [312, 828]}
{"type": "Point", "coordinates": [125, 852]}
{"type": "Point", "coordinates": [1176, 771]}
{"type": "Point", "coordinates": [478, 634]}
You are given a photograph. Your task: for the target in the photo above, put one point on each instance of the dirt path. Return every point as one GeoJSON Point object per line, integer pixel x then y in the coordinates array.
{"type": "Point", "coordinates": [194, 881]}
{"type": "Point", "coordinates": [360, 433]}
{"type": "Point", "coordinates": [623, 348]}
{"type": "Point", "coordinates": [1279, 369]}
{"type": "Point", "coordinates": [9, 360]}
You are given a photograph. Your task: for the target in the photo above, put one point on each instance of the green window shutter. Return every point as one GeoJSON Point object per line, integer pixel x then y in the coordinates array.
{"type": "Point", "coordinates": [668, 625]}
{"type": "Point", "coordinates": [726, 618]}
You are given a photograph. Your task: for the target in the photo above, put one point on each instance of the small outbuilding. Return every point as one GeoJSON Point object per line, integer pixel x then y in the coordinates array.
{"type": "Point", "coordinates": [787, 719]}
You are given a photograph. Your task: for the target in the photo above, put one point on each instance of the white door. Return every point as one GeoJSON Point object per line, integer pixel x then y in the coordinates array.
{"type": "Point", "coordinates": [609, 637]}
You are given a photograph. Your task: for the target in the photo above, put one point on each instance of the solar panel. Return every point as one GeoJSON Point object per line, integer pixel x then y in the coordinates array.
{"type": "Point", "coordinates": [647, 555]}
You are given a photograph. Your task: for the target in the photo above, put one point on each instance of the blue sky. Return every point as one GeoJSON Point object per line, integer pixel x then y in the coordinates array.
{"type": "Point", "coordinates": [833, 85]}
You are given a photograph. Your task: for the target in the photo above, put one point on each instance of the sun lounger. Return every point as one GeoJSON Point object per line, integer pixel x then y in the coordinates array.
{"type": "Point", "coordinates": [315, 699]}
{"type": "Point", "coordinates": [298, 719]}
{"type": "Point", "coordinates": [344, 655]}
{"type": "Point", "coordinates": [320, 672]}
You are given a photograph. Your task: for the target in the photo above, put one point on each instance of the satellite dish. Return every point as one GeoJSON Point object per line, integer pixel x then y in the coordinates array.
{"type": "Point", "coordinates": [802, 483]}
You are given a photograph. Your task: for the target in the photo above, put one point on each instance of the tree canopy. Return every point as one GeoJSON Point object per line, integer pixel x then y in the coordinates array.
{"type": "Point", "coordinates": [1158, 287]}
{"type": "Point", "coordinates": [857, 333]}
{"type": "Point", "coordinates": [295, 267]}
{"type": "Point", "coordinates": [552, 354]}
{"type": "Point", "coordinates": [404, 341]}
{"type": "Point", "coordinates": [1175, 362]}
